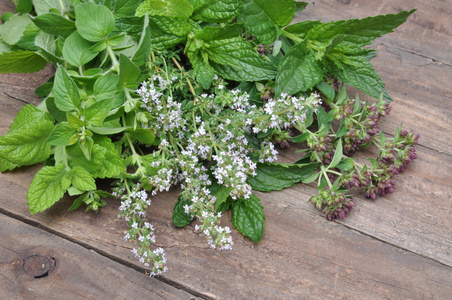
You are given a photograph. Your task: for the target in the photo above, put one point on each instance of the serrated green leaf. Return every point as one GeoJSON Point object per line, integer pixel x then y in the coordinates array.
{"type": "Point", "coordinates": [361, 32]}
{"type": "Point", "coordinates": [81, 179]}
{"type": "Point", "coordinates": [26, 141]}
{"type": "Point", "coordinates": [125, 7]}
{"type": "Point", "coordinates": [298, 71]}
{"type": "Point", "coordinates": [65, 91]}
{"type": "Point", "coordinates": [107, 130]}
{"type": "Point", "coordinates": [112, 165]}
{"type": "Point", "coordinates": [274, 176]}
{"type": "Point", "coordinates": [264, 18]}
{"type": "Point", "coordinates": [180, 218]}
{"type": "Point", "coordinates": [4, 47]}
{"type": "Point", "coordinates": [94, 22]}
{"type": "Point", "coordinates": [46, 44]}
{"type": "Point", "coordinates": [141, 55]}
{"type": "Point", "coordinates": [248, 217]}
{"type": "Point", "coordinates": [78, 51]}
{"type": "Point", "coordinates": [61, 134]}
{"type": "Point", "coordinates": [236, 59]}
{"type": "Point", "coordinates": [357, 72]}
{"type": "Point", "coordinates": [55, 24]}
{"type": "Point", "coordinates": [222, 195]}
{"type": "Point", "coordinates": [105, 87]}
{"type": "Point", "coordinates": [47, 187]}
{"type": "Point", "coordinates": [6, 165]}
{"type": "Point", "coordinates": [216, 11]}
{"type": "Point", "coordinates": [165, 8]}
{"type": "Point", "coordinates": [94, 166]}
{"type": "Point", "coordinates": [202, 70]}
{"type": "Point", "coordinates": [21, 62]}
{"type": "Point", "coordinates": [44, 6]}
{"type": "Point", "coordinates": [13, 29]}
{"type": "Point", "coordinates": [96, 113]}
{"type": "Point", "coordinates": [27, 40]}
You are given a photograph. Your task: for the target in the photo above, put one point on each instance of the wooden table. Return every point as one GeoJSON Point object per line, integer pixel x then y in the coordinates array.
{"type": "Point", "coordinates": [397, 247]}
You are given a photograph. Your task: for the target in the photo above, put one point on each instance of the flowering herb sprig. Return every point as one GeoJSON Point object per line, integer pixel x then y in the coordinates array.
{"type": "Point", "coordinates": [151, 96]}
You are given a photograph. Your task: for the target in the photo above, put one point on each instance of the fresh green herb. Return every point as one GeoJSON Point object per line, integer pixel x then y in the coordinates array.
{"type": "Point", "coordinates": [151, 94]}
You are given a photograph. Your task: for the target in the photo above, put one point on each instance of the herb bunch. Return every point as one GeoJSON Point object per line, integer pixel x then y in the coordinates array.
{"type": "Point", "coordinates": [151, 94]}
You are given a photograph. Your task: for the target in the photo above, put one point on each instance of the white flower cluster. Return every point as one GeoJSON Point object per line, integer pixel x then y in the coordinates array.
{"type": "Point", "coordinates": [133, 208]}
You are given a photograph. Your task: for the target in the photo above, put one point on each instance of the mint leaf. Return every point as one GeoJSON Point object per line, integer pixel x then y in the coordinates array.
{"type": "Point", "coordinates": [93, 166]}
{"type": "Point", "coordinates": [81, 179]}
{"type": "Point", "coordinates": [21, 62]}
{"type": "Point", "coordinates": [26, 141]}
{"type": "Point", "coordinates": [165, 8]}
{"type": "Point", "coordinates": [222, 195]}
{"type": "Point", "coordinates": [61, 134]}
{"type": "Point", "coordinates": [65, 91]}
{"type": "Point", "coordinates": [6, 165]}
{"type": "Point", "coordinates": [236, 59]}
{"type": "Point", "coordinates": [248, 217]}
{"type": "Point", "coordinates": [46, 44]}
{"type": "Point", "coordinates": [43, 6]}
{"type": "Point", "coordinates": [94, 22]}
{"type": "Point", "coordinates": [13, 29]}
{"type": "Point", "coordinates": [141, 55]}
{"type": "Point", "coordinates": [47, 187]}
{"type": "Point", "coordinates": [97, 112]}
{"type": "Point", "coordinates": [77, 51]}
{"type": "Point", "coordinates": [356, 71]}
{"type": "Point", "coordinates": [180, 218]}
{"type": "Point", "coordinates": [360, 32]}
{"type": "Point", "coordinates": [168, 32]}
{"type": "Point", "coordinates": [105, 87]}
{"type": "Point", "coordinates": [298, 71]}
{"type": "Point", "coordinates": [202, 70]}
{"type": "Point", "coordinates": [128, 73]}
{"type": "Point", "coordinates": [125, 8]}
{"type": "Point", "coordinates": [55, 24]}
{"type": "Point", "coordinates": [264, 18]}
{"type": "Point", "coordinates": [216, 11]}
{"type": "Point", "coordinates": [275, 176]}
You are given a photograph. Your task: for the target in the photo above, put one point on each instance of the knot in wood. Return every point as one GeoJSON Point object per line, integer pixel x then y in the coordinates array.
{"type": "Point", "coordinates": [38, 266]}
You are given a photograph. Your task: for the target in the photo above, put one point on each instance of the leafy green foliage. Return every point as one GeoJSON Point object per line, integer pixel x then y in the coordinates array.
{"type": "Point", "coordinates": [248, 217]}
{"type": "Point", "coordinates": [265, 18]}
{"type": "Point", "coordinates": [180, 217]}
{"type": "Point", "coordinates": [47, 187]}
{"type": "Point", "coordinates": [275, 176]}
{"type": "Point", "coordinates": [98, 119]}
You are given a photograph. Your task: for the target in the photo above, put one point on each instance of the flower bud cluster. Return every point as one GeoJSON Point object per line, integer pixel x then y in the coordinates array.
{"type": "Point", "coordinates": [362, 123]}
{"type": "Point", "coordinates": [333, 204]}
{"type": "Point", "coordinates": [394, 156]}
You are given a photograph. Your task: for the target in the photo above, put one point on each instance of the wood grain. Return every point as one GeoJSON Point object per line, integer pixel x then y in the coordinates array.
{"type": "Point", "coordinates": [397, 247]}
{"type": "Point", "coordinates": [79, 273]}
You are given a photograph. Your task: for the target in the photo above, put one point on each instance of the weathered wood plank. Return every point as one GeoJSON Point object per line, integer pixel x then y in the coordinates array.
{"type": "Point", "coordinates": [301, 254]}
{"type": "Point", "coordinates": [427, 32]}
{"type": "Point", "coordinates": [68, 270]}
{"type": "Point", "coordinates": [414, 62]}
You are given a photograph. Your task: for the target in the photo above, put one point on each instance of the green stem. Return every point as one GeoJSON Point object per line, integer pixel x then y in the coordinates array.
{"type": "Point", "coordinates": [291, 36]}
{"type": "Point", "coordinates": [113, 58]}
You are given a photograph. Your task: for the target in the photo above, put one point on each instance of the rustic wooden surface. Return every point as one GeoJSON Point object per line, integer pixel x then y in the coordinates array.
{"type": "Point", "coordinates": [397, 247]}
